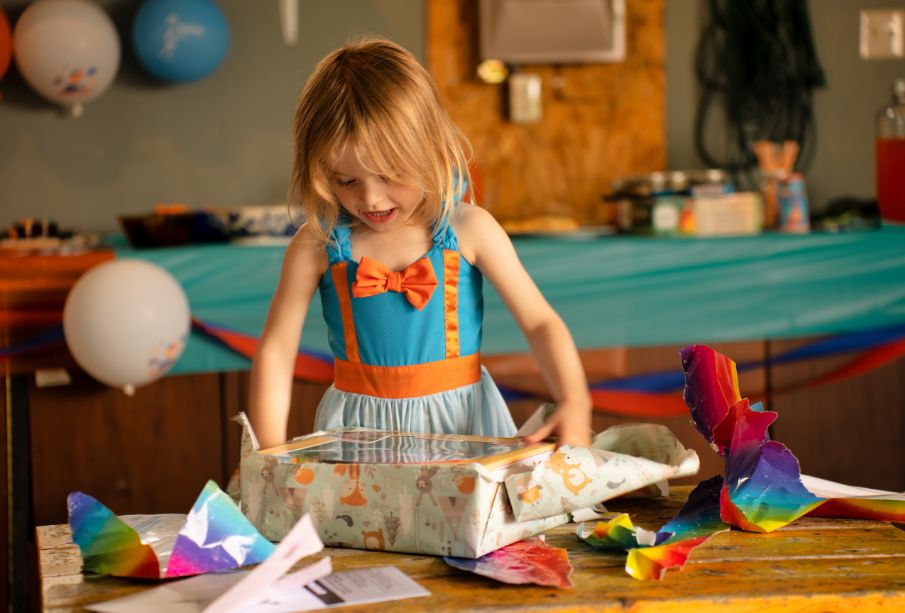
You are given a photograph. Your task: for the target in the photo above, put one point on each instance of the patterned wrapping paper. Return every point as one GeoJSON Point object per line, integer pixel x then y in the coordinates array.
{"type": "Point", "coordinates": [458, 510]}
{"type": "Point", "coordinates": [621, 459]}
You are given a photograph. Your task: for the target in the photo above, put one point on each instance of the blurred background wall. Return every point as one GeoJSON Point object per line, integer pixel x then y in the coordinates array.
{"type": "Point", "coordinates": [225, 140]}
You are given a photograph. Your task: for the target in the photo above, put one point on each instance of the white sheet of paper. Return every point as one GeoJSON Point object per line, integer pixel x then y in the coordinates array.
{"type": "Point", "coordinates": [363, 586]}
{"type": "Point", "coordinates": [294, 592]}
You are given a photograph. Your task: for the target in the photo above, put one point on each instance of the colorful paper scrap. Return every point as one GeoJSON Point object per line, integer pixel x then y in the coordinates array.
{"type": "Point", "coordinates": [529, 561]}
{"type": "Point", "coordinates": [214, 536]}
{"type": "Point", "coordinates": [651, 554]}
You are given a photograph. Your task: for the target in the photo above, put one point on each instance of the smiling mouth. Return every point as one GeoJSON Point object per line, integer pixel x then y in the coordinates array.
{"type": "Point", "coordinates": [380, 216]}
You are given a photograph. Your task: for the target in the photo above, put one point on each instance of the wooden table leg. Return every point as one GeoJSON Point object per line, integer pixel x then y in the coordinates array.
{"type": "Point", "coordinates": [22, 575]}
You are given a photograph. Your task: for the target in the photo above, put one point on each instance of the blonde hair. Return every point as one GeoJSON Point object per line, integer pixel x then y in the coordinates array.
{"type": "Point", "coordinates": [374, 95]}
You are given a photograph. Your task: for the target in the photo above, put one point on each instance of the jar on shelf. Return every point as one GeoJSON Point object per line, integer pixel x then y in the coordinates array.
{"type": "Point", "coordinates": [890, 157]}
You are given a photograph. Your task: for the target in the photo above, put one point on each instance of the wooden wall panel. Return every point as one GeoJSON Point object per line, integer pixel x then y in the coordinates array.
{"type": "Point", "coordinates": [150, 453]}
{"type": "Point", "coordinates": [850, 431]}
{"type": "Point", "coordinates": [600, 122]}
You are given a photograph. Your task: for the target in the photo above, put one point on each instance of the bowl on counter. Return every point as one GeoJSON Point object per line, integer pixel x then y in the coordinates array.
{"type": "Point", "coordinates": [170, 229]}
{"type": "Point", "coordinates": [156, 230]}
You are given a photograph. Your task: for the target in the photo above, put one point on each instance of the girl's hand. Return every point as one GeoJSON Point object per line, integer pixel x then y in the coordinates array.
{"type": "Point", "coordinates": [571, 423]}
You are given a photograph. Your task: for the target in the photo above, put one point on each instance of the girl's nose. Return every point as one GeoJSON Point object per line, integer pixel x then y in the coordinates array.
{"type": "Point", "coordinates": [371, 193]}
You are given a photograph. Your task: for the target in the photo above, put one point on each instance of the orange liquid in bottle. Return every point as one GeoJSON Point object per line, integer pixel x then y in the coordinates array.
{"type": "Point", "coordinates": [891, 179]}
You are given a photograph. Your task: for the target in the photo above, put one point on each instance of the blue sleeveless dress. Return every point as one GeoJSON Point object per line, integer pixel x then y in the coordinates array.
{"type": "Point", "coordinates": [398, 366]}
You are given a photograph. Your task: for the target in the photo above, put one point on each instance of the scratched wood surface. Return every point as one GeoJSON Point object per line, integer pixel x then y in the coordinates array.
{"type": "Point", "coordinates": [812, 565]}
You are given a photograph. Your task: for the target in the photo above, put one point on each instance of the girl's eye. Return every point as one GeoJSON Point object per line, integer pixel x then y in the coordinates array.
{"type": "Point", "coordinates": [345, 182]}
{"type": "Point", "coordinates": [385, 179]}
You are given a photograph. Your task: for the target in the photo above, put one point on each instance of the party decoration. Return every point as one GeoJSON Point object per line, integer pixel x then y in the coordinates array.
{"type": "Point", "coordinates": [180, 40]}
{"type": "Point", "coordinates": [215, 536]}
{"type": "Point", "coordinates": [67, 50]}
{"type": "Point", "coordinates": [6, 43]}
{"type": "Point", "coordinates": [126, 322]}
{"type": "Point", "coordinates": [528, 561]}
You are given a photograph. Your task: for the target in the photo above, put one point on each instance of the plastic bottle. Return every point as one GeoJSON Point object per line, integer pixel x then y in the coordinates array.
{"type": "Point", "coordinates": [890, 152]}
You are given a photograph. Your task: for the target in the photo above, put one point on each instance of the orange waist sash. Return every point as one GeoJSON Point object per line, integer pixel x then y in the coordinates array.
{"type": "Point", "coordinates": [407, 381]}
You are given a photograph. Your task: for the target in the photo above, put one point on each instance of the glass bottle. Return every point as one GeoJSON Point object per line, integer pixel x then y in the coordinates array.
{"type": "Point", "coordinates": [890, 152]}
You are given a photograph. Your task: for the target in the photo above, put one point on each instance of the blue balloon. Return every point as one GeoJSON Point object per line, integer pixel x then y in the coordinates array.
{"type": "Point", "coordinates": [180, 40]}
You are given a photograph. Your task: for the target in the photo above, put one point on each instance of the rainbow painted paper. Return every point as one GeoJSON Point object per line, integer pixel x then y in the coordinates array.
{"type": "Point", "coordinates": [651, 554]}
{"type": "Point", "coordinates": [527, 561]}
{"type": "Point", "coordinates": [215, 536]}
{"type": "Point", "coordinates": [764, 487]}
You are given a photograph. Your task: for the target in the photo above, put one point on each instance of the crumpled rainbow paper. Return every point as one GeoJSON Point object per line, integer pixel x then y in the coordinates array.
{"type": "Point", "coordinates": [763, 487]}
{"type": "Point", "coordinates": [529, 561]}
{"type": "Point", "coordinates": [651, 554]}
{"type": "Point", "coordinates": [214, 536]}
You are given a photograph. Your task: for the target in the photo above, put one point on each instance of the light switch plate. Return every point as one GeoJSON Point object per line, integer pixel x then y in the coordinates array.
{"type": "Point", "coordinates": [882, 34]}
{"type": "Point", "coordinates": [525, 105]}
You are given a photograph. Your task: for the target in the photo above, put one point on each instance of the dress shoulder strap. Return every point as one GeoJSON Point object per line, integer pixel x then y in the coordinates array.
{"type": "Point", "coordinates": [444, 236]}
{"type": "Point", "coordinates": [339, 249]}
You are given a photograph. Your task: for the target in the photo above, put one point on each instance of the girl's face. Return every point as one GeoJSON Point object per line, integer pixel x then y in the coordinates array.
{"type": "Point", "coordinates": [383, 205]}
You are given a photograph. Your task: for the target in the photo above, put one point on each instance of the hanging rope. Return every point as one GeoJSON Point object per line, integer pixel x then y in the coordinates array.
{"type": "Point", "coordinates": [756, 60]}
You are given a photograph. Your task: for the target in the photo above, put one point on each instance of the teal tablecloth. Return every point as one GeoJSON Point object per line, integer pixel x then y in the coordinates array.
{"type": "Point", "coordinates": [611, 291]}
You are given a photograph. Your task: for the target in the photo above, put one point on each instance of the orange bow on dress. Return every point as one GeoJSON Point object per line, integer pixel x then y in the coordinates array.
{"type": "Point", "coordinates": [417, 282]}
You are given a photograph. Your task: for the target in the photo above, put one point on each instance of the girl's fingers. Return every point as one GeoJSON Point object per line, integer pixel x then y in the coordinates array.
{"type": "Point", "coordinates": [542, 432]}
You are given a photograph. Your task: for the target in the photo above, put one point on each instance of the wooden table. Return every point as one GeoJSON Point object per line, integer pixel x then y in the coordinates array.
{"type": "Point", "coordinates": [812, 565]}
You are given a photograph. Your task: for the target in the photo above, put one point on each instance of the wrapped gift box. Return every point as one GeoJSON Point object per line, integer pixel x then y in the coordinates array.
{"type": "Point", "coordinates": [371, 489]}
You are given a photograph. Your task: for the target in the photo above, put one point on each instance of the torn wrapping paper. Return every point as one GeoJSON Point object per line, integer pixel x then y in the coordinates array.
{"type": "Point", "coordinates": [621, 459]}
{"type": "Point", "coordinates": [214, 536]}
{"type": "Point", "coordinates": [763, 488]}
{"type": "Point", "coordinates": [530, 561]}
{"type": "Point", "coordinates": [651, 554]}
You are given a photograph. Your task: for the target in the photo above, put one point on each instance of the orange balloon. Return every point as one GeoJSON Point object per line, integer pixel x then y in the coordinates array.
{"type": "Point", "coordinates": [6, 43]}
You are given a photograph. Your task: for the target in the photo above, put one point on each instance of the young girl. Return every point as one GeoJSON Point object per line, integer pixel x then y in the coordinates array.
{"type": "Point", "coordinates": [399, 257]}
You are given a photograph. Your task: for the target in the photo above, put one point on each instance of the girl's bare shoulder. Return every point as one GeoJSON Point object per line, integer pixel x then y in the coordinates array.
{"type": "Point", "coordinates": [307, 249]}
{"type": "Point", "coordinates": [473, 225]}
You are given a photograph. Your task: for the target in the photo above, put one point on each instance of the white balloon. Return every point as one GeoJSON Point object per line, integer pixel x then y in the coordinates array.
{"type": "Point", "coordinates": [67, 50]}
{"type": "Point", "coordinates": [126, 322]}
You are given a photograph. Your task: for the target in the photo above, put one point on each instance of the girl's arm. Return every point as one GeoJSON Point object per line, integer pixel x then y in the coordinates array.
{"type": "Point", "coordinates": [484, 242]}
{"type": "Point", "coordinates": [274, 361]}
